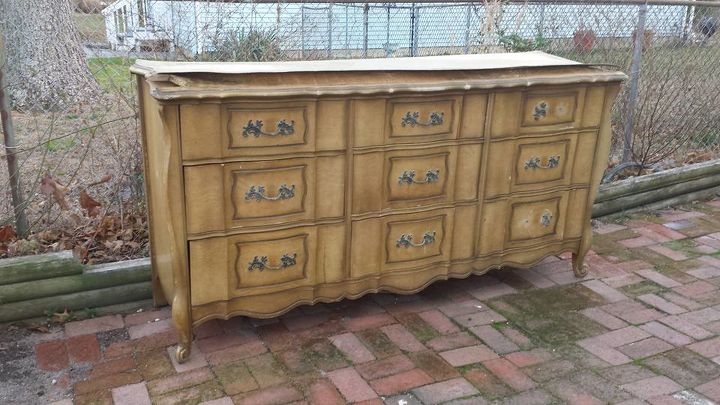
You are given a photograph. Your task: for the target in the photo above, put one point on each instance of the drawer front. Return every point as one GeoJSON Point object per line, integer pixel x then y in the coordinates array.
{"type": "Point", "coordinates": [262, 193]}
{"type": "Point", "coordinates": [410, 118]}
{"type": "Point", "coordinates": [223, 197]}
{"type": "Point", "coordinates": [533, 219]}
{"type": "Point", "coordinates": [411, 240]}
{"type": "Point", "coordinates": [519, 222]}
{"type": "Point", "coordinates": [538, 163]}
{"type": "Point", "coordinates": [262, 128]}
{"type": "Point", "coordinates": [404, 242]}
{"type": "Point", "coordinates": [541, 162]}
{"type": "Point", "coordinates": [415, 177]}
{"type": "Point", "coordinates": [266, 127]}
{"type": "Point", "coordinates": [549, 109]}
{"type": "Point", "coordinates": [227, 267]}
{"type": "Point", "coordinates": [537, 111]}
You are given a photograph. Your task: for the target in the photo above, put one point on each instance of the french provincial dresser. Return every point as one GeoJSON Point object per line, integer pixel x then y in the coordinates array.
{"type": "Point", "coordinates": [272, 185]}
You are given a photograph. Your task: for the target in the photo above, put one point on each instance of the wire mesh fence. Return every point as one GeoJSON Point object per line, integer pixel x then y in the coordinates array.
{"type": "Point", "coordinates": [72, 99]}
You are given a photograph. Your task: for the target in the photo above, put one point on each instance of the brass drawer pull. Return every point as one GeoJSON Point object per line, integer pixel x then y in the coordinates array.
{"type": "Point", "coordinates": [412, 119]}
{"type": "Point", "coordinates": [255, 129]}
{"type": "Point", "coordinates": [546, 218]}
{"type": "Point", "coordinates": [536, 163]}
{"type": "Point", "coordinates": [408, 177]}
{"type": "Point", "coordinates": [257, 193]}
{"type": "Point", "coordinates": [541, 111]}
{"type": "Point", "coordinates": [405, 240]}
{"type": "Point", "coordinates": [261, 262]}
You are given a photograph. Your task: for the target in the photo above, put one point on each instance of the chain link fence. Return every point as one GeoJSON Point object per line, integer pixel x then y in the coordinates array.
{"type": "Point", "coordinates": [78, 156]}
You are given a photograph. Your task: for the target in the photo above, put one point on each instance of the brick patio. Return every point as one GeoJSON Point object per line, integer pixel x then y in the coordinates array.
{"type": "Point", "coordinates": [643, 327]}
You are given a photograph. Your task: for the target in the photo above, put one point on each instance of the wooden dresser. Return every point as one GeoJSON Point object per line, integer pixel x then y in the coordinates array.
{"type": "Point", "coordinates": [279, 184]}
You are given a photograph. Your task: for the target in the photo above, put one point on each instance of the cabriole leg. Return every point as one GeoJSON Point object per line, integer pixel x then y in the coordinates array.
{"type": "Point", "coordinates": [183, 326]}
{"type": "Point", "coordinates": [578, 264]}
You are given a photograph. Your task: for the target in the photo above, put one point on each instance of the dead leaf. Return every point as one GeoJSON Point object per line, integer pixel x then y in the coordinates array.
{"type": "Point", "coordinates": [7, 233]}
{"type": "Point", "coordinates": [88, 203]}
{"type": "Point", "coordinates": [51, 187]}
{"type": "Point", "coordinates": [61, 317]}
{"type": "Point", "coordinates": [39, 328]}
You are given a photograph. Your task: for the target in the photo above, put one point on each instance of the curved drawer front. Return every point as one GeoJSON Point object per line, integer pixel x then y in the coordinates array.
{"type": "Point", "coordinates": [417, 177]}
{"type": "Point", "coordinates": [226, 267]}
{"type": "Point", "coordinates": [538, 163]}
{"type": "Point", "coordinates": [550, 109]}
{"type": "Point", "coordinates": [523, 222]}
{"type": "Point", "coordinates": [257, 128]}
{"type": "Point", "coordinates": [224, 197]}
{"type": "Point", "coordinates": [262, 193]}
{"type": "Point", "coordinates": [534, 219]}
{"type": "Point", "coordinates": [269, 262]}
{"type": "Point", "coordinates": [537, 111]}
{"type": "Point", "coordinates": [411, 240]}
{"type": "Point", "coordinates": [422, 118]}
{"type": "Point", "coordinates": [261, 128]}
{"type": "Point", "coordinates": [541, 162]}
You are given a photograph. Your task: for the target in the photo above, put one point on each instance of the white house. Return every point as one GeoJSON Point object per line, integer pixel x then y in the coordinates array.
{"type": "Point", "coordinates": [196, 26]}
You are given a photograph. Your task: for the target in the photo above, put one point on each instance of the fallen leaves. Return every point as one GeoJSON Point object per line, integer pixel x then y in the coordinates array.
{"type": "Point", "coordinates": [89, 204]}
{"type": "Point", "coordinates": [50, 187]}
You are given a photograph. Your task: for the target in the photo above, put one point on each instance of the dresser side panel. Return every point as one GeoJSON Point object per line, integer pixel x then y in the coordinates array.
{"type": "Point", "coordinates": [163, 177]}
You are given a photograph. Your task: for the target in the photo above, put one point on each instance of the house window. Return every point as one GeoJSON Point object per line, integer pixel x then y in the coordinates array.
{"type": "Point", "coordinates": [141, 12]}
{"type": "Point", "coordinates": [120, 20]}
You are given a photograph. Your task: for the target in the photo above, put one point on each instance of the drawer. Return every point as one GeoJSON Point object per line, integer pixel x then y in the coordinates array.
{"type": "Point", "coordinates": [421, 117]}
{"type": "Point", "coordinates": [415, 177]}
{"type": "Point", "coordinates": [538, 163]}
{"type": "Point", "coordinates": [226, 267]}
{"type": "Point", "coordinates": [261, 128]}
{"type": "Point", "coordinates": [411, 119]}
{"type": "Point", "coordinates": [402, 242]}
{"type": "Point", "coordinates": [519, 222]}
{"type": "Point", "coordinates": [222, 197]}
{"type": "Point", "coordinates": [537, 110]}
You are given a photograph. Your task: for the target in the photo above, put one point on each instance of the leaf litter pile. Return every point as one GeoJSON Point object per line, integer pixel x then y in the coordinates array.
{"type": "Point", "coordinates": [82, 224]}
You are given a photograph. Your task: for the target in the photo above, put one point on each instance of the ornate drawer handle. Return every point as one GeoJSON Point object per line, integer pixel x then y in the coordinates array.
{"type": "Point", "coordinates": [255, 129]}
{"type": "Point", "coordinates": [546, 218]}
{"type": "Point", "coordinates": [541, 110]}
{"type": "Point", "coordinates": [406, 240]}
{"type": "Point", "coordinates": [536, 163]}
{"type": "Point", "coordinates": [408, 177]}
{"type": "Point", "coordinates": [412, 119]}
{"type": "Point", "coordinates": [261, 262]}
{"type": "Point", "coordinates": [257, 193]}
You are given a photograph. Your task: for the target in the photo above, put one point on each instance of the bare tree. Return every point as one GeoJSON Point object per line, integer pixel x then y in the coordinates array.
{"type": "Point", "coordinates": [46, 67]}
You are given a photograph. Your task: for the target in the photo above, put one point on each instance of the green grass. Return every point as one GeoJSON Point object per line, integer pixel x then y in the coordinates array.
{"type": "Point", "coordinates": [113, 74]}
{"type": "Point", "coordinates": [55, 145]}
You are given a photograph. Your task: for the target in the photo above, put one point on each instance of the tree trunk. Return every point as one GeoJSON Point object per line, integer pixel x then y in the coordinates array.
{"type": "Point", "coordinates": [46, 67]}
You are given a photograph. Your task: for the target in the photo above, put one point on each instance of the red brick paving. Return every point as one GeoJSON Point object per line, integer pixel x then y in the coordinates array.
{"type": "Point", "coordinates": [457, 341]}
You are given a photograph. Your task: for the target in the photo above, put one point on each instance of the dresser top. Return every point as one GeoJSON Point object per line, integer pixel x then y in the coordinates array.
{"type": "Point", "coordinates": [201, 80]}
{"type": "Point", "coordinates": [426, 63]}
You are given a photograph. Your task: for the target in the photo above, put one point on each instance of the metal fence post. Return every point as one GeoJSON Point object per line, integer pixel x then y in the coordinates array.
{"type": "Point", "coordinates": [302, 31]}
{"type": "Point", "coordinates": [21, 223]}
{"type": "Point", "coordinates": [468, 17]}
{"type": "Point", "coordinates": [366, 23]}
{"type": "Point", "coordinates": [415, 21]}
{"type": "Point", "coordinates": [634, 79]}
{"type": "Point", "coordinates": [330, 33]}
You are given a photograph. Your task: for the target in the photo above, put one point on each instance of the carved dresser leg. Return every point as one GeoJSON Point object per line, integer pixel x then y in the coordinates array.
{"type": "Point", "coordinates": [183, 326]}
{"type": "Point", "coordinates": [578, 264]}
